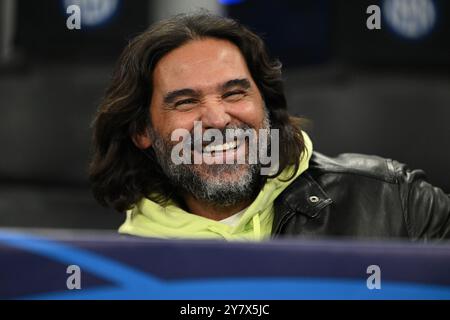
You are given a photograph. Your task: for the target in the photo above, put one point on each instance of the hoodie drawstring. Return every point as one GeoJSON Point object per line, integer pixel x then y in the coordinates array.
{"type": "Point", "coordinates": [257, 226]}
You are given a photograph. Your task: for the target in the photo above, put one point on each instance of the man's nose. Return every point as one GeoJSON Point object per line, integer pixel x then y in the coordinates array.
{"type": "Point", "coordinates": [215, 115]}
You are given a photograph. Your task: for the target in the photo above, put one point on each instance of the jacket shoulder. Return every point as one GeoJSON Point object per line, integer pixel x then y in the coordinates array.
{"type": "Point", "coordinates": [369, 166]}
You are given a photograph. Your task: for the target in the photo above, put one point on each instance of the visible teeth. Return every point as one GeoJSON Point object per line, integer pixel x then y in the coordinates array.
{"type": "Point", "coordinates": [220, 147]}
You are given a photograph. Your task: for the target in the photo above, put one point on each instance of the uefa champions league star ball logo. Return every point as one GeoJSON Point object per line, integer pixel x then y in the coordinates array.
{"type": "Point", "coordinates": [411, 19]}
{"type": "Point", "coordinates": [94, 12]}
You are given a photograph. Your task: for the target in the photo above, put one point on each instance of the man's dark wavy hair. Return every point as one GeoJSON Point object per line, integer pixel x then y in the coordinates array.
{"type": "Point", "coordinates": [120, 173]}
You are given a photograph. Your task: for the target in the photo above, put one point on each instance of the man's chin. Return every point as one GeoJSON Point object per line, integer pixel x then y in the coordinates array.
{"type": "Point", "coordinates": [223, 184]}
{"type": "Point", "coordinates": [224, 172]}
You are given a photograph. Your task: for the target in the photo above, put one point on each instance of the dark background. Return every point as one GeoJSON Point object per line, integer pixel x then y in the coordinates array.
{"type": "Point", "coordinates": [367, 91]}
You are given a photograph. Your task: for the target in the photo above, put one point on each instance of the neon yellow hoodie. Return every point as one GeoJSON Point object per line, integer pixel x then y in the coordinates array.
{"type": "Point", "coordinates": [149, 219]}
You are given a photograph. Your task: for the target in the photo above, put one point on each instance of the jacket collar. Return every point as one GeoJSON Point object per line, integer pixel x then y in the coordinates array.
{"type": "Point", "coordinates": [304, 196]}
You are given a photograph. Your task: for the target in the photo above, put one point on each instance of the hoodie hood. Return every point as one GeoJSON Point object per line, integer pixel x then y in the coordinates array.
{"type": "Point", "coordinates": [149, 219]}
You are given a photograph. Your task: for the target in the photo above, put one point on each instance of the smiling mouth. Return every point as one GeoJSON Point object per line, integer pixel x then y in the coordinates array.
{"type": "Point", "coordinates": [211, 150]}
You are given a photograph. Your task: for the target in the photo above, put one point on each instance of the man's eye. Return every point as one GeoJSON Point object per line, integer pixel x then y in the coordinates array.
{"type": "Point", "coordinates": [184, 102]}
{"type": "Point", "coordinates": [233, 94]}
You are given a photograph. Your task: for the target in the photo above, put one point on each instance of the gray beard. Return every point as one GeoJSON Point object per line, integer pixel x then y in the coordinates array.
{"type": "Point", "coordinates": [211, 184]}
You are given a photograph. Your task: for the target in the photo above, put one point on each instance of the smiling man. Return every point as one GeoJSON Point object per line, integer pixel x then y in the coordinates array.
{"type": "Point", "coordinates": [192, 77]}
{"type": "Point", "coordinates": [205, 80]}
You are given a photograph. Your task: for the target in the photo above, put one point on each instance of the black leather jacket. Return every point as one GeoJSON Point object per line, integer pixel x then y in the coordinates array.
{"type": "Point", "coordinates": [361, 196]}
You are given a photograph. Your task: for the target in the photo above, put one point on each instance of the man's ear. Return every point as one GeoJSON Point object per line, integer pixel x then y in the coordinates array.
{"type": "Point", "coordinates": [142, 140]}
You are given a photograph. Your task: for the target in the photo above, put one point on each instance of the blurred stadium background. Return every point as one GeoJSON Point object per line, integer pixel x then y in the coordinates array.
{"type": "Point", "coordinates": [384, 92]}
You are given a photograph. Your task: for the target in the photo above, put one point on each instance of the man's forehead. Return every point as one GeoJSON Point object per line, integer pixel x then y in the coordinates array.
{"type": "Point", "coordinates": [200, 63]}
